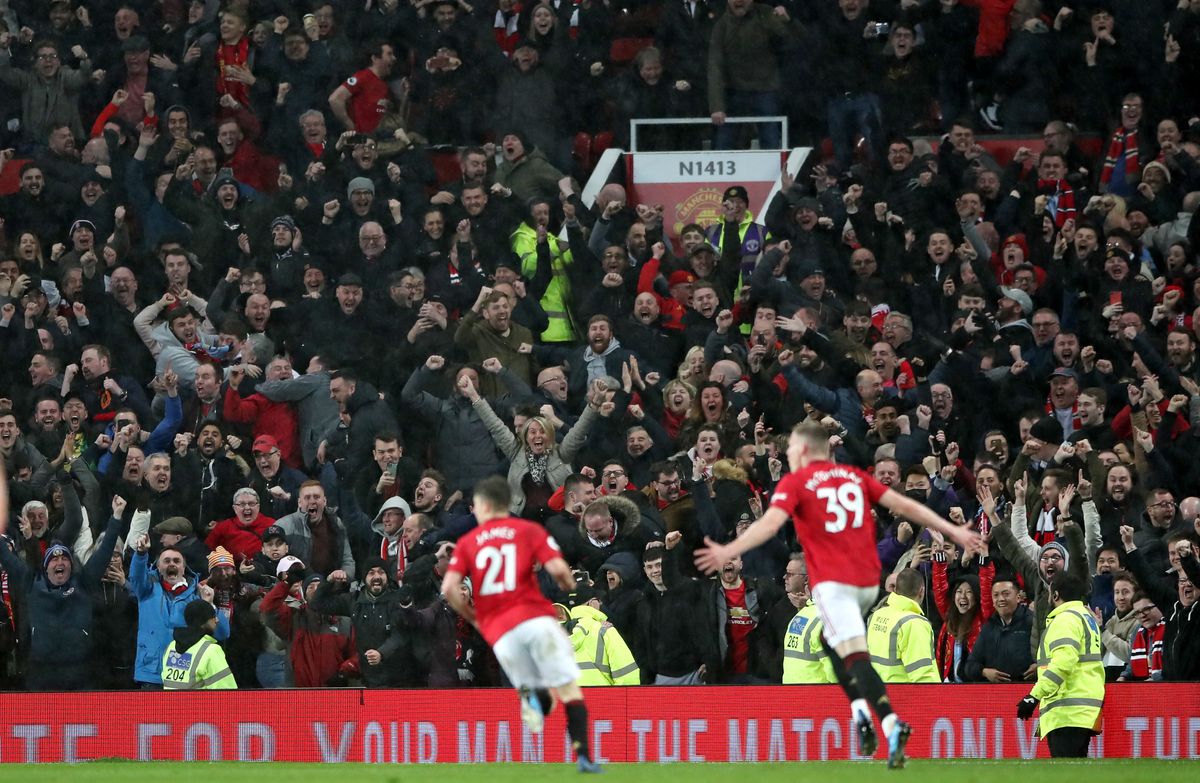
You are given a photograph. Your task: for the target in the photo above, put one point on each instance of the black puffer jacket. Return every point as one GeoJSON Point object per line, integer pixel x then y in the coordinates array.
{"type": "Point", "coordinates": [1002, 646]}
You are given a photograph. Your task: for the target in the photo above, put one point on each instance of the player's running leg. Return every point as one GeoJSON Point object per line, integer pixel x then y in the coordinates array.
{"type": "Point", "coordinates": [859, 710]}
{"type": "Point", "coordinates": [532, 713]}
{"type": "Point", "coordinates": [842, 608]}
{"type": "Point", "coordinates": [577, 725]}
{"type": "Point", "coordinates": [866, 680]}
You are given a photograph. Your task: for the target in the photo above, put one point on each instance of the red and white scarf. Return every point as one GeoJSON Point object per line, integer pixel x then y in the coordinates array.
{"type": "Point", "coordinates": [1146, 651]}
{"type": "Point", "coordinates": [1064, 195]}
{"type": "Point", "coordinates": [401, 555]}
{"type": "Point", "coordinates": [1123, 141]}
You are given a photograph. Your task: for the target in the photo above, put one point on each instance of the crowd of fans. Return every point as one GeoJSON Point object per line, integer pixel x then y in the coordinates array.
{"type": "Point", "coordinates": [257, 355]}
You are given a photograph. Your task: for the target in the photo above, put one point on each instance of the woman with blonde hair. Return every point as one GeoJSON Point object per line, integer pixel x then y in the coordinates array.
{"type": "Point", "coordinates": [692, 369]}
{"type": "Point", "coordinates": [678, 398]}
{"type": "Point", "coordinates": [537, 463]}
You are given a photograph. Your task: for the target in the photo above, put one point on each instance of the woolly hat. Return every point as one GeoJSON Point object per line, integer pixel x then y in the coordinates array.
{"type": "Point", "coordinates": [286, 221]}
{"type": "Point", "coordinates": [54, 551]}
{"type": "Point", "coordinates": [376, 562]}
{"type": "Point", "coordinates": [220, 557]}
{"type": "Point", "coordinates": [1047, 429]}
{"type": "Point", "coordinates": [360, 183]}
{"type": "Point", "coordinates": [1062, 550]}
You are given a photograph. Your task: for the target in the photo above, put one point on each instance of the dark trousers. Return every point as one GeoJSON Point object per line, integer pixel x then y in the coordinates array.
{"type": "Point", "coordinates": [745, 103]}
{"type": "Point", "coordinates": [1069, 742]}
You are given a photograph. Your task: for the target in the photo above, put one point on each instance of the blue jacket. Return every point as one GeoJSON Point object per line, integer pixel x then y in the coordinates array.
{"type": "Point", "coordinates": [159, 614]}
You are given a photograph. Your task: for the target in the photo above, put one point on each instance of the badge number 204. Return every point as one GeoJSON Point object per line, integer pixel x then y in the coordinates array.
{"type": "Point", "coordinates": [707, 168]}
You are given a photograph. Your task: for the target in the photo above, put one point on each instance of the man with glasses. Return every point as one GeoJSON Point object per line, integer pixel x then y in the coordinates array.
{"type": "Point", "coordinates": [1146, 644]}
{"type": "Point", "coordinates": [1180, 590]}
{"type": "Point", "coordinates": [241, 534]}
{"type": "Point", "coordinates": [1160, 521]}
{"type": "Point", "coordinates": [1129, 149]}
{"type": "Point", "coordinates": [276, 483]}
{"type": "Point", "coordinates": [50, 93]}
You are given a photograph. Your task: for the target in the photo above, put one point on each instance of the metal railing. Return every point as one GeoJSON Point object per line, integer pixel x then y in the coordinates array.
{"type": "Point", "coordinates": [634, 124]}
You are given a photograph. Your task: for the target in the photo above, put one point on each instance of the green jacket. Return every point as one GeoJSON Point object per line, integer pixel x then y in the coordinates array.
{"type": "Point", "coordinates": [1070, 684]}
{"type": "Point", "coordinates": [603, 656]}
{"type": "Point", "coordinates": [479, 342]}
{"type": "Point", "coordinates": [530, 176]}
{"type": "Point", "coordinates": [558, 293]}
{"type": "Point", "coordinates": [805, 661]}
{"type": "Point", "coordinates": [201, 667]}
{"type": "Point", "coordinates": [900, 640]}
{"type": "Point", "coordinates": [742, 53]}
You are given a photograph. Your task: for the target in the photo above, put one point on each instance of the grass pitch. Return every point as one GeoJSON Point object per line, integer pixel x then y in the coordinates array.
{"type": "Point", "coordinates": [924, 771]}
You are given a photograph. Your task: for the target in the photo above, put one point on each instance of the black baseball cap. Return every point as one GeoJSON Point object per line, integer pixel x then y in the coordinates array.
{"type": "Point", "coordinates": [274, 533]}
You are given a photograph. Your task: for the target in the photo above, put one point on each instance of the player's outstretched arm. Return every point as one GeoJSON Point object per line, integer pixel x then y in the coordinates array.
{"type": "Point", "coordinates": [913, 511]}
{"type": "Point", "coordinates": [451, 591]}
{"type": "Point", "coordinates": [711, 557]}
{"type": "Point", "coordinates": [561, 573]}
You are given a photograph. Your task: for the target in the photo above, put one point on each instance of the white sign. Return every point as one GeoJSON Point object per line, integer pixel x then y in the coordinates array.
{"type": "Point", "coordinates": [741, 166]}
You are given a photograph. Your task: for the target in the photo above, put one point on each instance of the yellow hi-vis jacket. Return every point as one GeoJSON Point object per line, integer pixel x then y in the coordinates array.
{"type": "Point", "coordinates": [603, 656]}
{"type": "Point", "coordinates": [1070, 683]}
{"type": "Point", "coordinates": [900, 640]}
{"type": "Point", "coordinates": [201, 667]}
{"type": "Point", "coordinates": [554, 301]}
{"type": "Point", "coordinates": [805, 661]}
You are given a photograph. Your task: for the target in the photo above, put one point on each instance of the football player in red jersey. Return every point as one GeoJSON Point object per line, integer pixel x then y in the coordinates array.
{"type": "Point", "coordinates": [510, 611]}
{"type": "Point", "coordinates": [830, 505]}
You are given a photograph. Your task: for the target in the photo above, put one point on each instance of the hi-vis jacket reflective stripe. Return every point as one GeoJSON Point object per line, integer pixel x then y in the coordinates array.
{"type": "Point", "coordinates": [753, 238]}
{"type": "Point", "coordinates": [554, 301]}
{"type": "Point", "coordinates": [1070, 684]}
{"type": "Point", "coordinates": [804, 659]}
{"type": "Point", "coordinates": [900, 641]}
{"type": "Point", "coordinates": [602, 655]}
{"type": "Point", "coordinates": [201, 667]}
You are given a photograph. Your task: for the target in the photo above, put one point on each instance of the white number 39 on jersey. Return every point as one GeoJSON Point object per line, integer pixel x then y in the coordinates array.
{"type": "Point", "coordinates": [844, 504]}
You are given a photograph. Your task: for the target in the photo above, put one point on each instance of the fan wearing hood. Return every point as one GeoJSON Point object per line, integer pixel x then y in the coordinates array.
{"type": "Point", "coordinates": [394, 537]}
{"type": "Point", "coordinates": [58, 604]}
{"type": "Point", "coordinates": [602, 654]}
{"type": "Point", "coordinates": [609, 524]}
{"type": "Point", "coordinates": [622, 575]}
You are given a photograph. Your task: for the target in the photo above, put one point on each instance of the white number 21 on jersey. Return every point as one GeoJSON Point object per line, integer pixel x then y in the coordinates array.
{"type": "Point", "coordinates": [499, 566]}
{"type": "Point", "coordinates": [843, 504]}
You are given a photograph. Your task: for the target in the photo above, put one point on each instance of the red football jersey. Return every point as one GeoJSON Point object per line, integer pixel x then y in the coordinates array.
{"type": "Point", "coordinates": [499, 557]}
{"type": "Point", "coordinates": [366, 91]}
{"type": "Point", "coordinates": [830, 505]}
